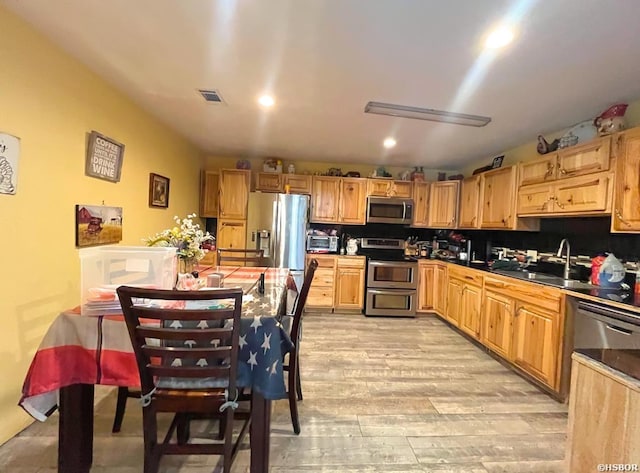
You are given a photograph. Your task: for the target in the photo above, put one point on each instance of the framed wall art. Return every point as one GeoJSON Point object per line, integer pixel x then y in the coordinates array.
{"type": "Point", "coordinates": [104, 157]}
{"type": "Point", "coordinates": [158, 191]}
{"type": "Point", "coordinates": [98, 225]}
{"type": "Point", "coordinates": [9, 154]}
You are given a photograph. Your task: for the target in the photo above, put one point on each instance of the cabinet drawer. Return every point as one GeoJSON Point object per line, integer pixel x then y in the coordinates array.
{"type": "Point", "coordinates": [320, 297]}
{"type": "Point", "coordinates": [542, 296]}
{"type": "Point", "coordinates": [323, 278]}
{"type": "Point", "coordinates": [469, 276]}
{"type": "Point", "coordinates": [324, 261]}
{"type": "Point", "coordinates": [351, 262]}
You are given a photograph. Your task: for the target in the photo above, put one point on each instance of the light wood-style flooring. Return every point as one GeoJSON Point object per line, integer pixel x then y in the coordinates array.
{"type": "Point", "coordinates": [389, 395]}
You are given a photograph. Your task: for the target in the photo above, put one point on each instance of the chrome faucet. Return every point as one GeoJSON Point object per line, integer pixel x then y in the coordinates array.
{"type": "Point", "coordinates": [567, 264]}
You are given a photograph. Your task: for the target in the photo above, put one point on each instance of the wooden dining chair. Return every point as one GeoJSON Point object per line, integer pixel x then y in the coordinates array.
{"type": "Point", "coordinates": [187, 359]}
{"type": "Point", "coordinates": [240, 257]}
{"type": "Point", "coordinates": [292, 366]}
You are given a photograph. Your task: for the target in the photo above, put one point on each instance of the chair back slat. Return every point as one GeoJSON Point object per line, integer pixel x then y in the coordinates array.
{"type": "Point", "coordinates": [197, 344]}
{"type": "Point", "coordinates": [301, 301]}
{"type": "Point", "coordinates": [240, 257]}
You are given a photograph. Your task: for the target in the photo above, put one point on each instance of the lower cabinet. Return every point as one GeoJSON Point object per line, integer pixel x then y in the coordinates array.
{"type": "Point", "coordinates": [231, 234]}
{"type": "Point", "coordinates": [470, 310]}
{"type": "Point", "coordinates": [440, 289]}
{"type": "Point", "coordinates": [454, 301]}
{"type": "Point", "coordinates": [497, 323]}
{"type": "Point", "coordinates": [426, 283]}
{"type": "Point", "coordinates": [338, 283]}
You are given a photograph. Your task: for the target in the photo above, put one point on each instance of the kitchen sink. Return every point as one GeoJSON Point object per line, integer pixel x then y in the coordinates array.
{"type": "Point", "coordinates": [573, 284]}
{"type": "Point", "coordinates": [547, 279]}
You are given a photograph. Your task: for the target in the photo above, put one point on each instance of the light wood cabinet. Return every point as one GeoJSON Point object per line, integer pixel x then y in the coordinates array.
{"type": "Point", "coordinates": [535, 342]}
{"type": "Point", "coordinates": [469, 202]}
{"type": "Point", "coordinates": [209, 193]}
{"type": "Point", "coordinates": [440, 289]}
{"type": "Point", "coordinates": [269, 182]}
{"type": "Point", "coordinates": [234, 193]}
{"type": "Point", "coordinates": [586, 158]}
{"type": "Point", "coordinates": [231, 233]}
{"type": "Point", "coordinates": [352, 201]}
{"type": "Point", "coordinates": [443, 204]}
{"type": "Point", "coordinates": [350, 283]}
{"type": "Point", "coordinates": [626, 211]}
{"type": "Point", "coordinates": [464, 299]}
{"type": "Point", "coordinates": [325, 198]}
{"type": "Point", "coordinates": [497, 323]}
{"type": "Point", "coordinates": [584, 195]}
{"type": "Point", "coordinates": [321, 292]}
{"type": "Point", "coordinates": [420, 204]}
{"type": "Point", "coordinates": [471, 308]}
{"type": "Point", "coordinates": [454, 301]}
{"type": "Point", "coordinates": [298, 183]}
{"type": "Point", "coordinates": [604, 418]}
{"type": "Point", "coordinates": [389, 188]}
{"type": "Point", "coordinates": [498, 192]}
{"type": "Point", "coordinates": [538, 170]}
{"type": "Point", "coordinates": [426, 286]}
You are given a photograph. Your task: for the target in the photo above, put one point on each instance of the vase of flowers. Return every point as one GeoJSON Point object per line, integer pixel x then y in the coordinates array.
{"type": "Point", "coordinates": [188, 238]}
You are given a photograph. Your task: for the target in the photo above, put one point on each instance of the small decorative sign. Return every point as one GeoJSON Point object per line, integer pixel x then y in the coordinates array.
{"type": "Point", "coordinates": [104, 157]}
{"type": "Point", "coordinates": [9, 154]}
{"type": "Point", "coordinates": [98, 225]}
{"type": "Point", "coordinates": [158, 191]}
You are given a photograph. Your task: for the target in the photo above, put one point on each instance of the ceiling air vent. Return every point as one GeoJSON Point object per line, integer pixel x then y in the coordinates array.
{"type": "Point", "coordinates": [211, 95]}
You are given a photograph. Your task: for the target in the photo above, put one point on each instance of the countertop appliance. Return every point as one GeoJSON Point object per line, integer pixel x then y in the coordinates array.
{"type": "Point", "coordinates": [279, 222]}
{"type": "Point", "coordinates": [392, 278]}
{"type": "Point", "coordinates": [322, 244]}
{"type": "Point", "coordinates": [389, 210]}
{"type": "Point", "coordinates": [609, 335]}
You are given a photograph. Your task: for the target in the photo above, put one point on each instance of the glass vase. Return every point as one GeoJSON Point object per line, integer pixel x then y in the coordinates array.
{"type": "Point", "coordinates": [187, 265]}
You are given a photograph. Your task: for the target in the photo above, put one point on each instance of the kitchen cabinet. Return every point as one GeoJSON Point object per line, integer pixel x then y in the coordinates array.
{"type": "Point", "coordinates": [443, 204]}
{"type": "Point", "coordinates": [604, 418]}
{"type": "Point", "coordinates": [497, 323]}
{"type": "Point", "coordinates": [231, 233]}
{"type": "Point", "coordinates": [298, 183]}
{"type": "Point", "coordinates": [584, 195]}
{"type": "Point", "coordinates": [209, 189]}
{"type": "Point", "coordinates": [350, 283]}
{"type": "Point", "coordinates": [498, 192]}
{"type": "Point", "coordinates": [454, 301]}
{"type": "Point", "coordinates": [321, 292]}
{"type": "Point", "coordinates": [464, 299]}
{"type": "Point", "coordinates": [469, 202]}
{"type": "Point", "coordinates": [471, 308]}
{"type": "Point", "coordinates": [420, 204]}
{"type": "Point", "coordinates": [426, 286]}
{"type": "Point", "coordinates": [338, 200]}
{"type": "Point", "coordinates": [440, 289]}
{"type": "Point", "coordinates": [234, 193]}
{"type": "Point", "coordinates": [389, 188]}
{"type": "Point", "coordinates": [535, 342]}
{"type": "Point", "coordinates": [269, 182]}
{"type": "Point", "coordinates": [586, 158]}
{"type": "Point", "coordinates": [538, 170]}
{"type": "Point", "coordinates": [626, 211]}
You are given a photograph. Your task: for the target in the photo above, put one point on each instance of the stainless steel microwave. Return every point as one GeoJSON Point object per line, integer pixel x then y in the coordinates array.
{"type": "Point", "coordinates": [322, 244]}
{"type": "Point", "coordinates": [389, 210]}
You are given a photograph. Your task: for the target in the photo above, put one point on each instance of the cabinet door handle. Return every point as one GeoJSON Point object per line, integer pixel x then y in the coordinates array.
{"type": "Point", "coordinates": [550, 168]}
{"type": "Point", "coordinates": [518, 312]}
{"type": "Point", "coordinates": [619, 215]}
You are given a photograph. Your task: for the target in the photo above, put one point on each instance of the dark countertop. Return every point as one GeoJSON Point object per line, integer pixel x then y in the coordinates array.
{"type": "Point", "coordinates": [619, 297]}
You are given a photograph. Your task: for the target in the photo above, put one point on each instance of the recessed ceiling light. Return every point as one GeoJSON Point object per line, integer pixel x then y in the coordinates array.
{"type": "Point", "coordinates": [389, 143]}
{"type": "Point", "coordinates": [266, 101]}
{"type": "Point", "coordinates": [405, 111]}
{"type": "Point", "coordinates": [499, 38]}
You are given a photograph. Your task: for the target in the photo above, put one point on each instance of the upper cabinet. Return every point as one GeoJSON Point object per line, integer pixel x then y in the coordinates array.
{"type": "Point", "coordinates": [420, 204]}
{"type": "Point", "coordinates": [278, 182]}
{"type": "Point", "coordinates": [538, 170]}
{"type": "Point", "coordinates": [209, 193]}
{"type": "Point", "coordinates": [469, 202]}
{"type": "Point", "coordinates": [587, 158]}
{"type": "Point", "coordinates": [298, 184]}
{"type": "Point", "coordinates": [234, 193]}
{"type": "Point", "coordinates": [498, 191]}
{"type": "Point", "coordinates": [443, 204]}
{"type": "Point", "coordinates": [389, 188]}
{"type": "Point", "coordinates": [626, 211]}
{"type": "Point", "coordinates": [338, 200]}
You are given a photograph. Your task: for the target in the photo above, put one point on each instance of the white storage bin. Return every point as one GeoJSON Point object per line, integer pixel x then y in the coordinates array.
{"type": "Point", "coordinates": [104, 268]}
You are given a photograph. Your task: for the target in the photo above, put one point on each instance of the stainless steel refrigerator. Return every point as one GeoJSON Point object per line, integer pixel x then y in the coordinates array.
{"type": "Point", "coordinates": [277, 223]}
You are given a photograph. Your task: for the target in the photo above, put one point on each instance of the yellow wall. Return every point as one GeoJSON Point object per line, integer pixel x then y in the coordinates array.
{"type": "Point", "coordinates": [527, 151]}
{"type": "Point", "coordinates": [51, 102]}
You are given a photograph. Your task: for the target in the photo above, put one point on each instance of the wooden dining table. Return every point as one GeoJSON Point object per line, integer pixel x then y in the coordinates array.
{"type": "Point", "coordinates": [79, 352]}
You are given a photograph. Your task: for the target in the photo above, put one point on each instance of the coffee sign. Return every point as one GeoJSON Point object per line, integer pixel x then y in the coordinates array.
{"type": "Point", "coordinates": [104, 157]}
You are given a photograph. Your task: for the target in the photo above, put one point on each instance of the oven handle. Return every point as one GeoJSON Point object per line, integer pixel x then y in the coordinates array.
{"type": "Point", "coordinates": [393, 292]}
{"type": "Point", "coordinates": [619, 330]}
{"type": "Point", "coordinates": [613, 313]}
{"type": "Point", "coordinates": [403, 264]}
{"type": "Point", "coordinates": [404, 210]}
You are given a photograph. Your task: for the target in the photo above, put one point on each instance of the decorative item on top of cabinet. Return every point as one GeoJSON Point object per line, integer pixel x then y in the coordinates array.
{"type": "Point", "coordinates": [269, 182]}
{"type": "Point", "coordinates": [389, 188]}
{"type": "Point", "coordinates": [234, 193]}
{"type": "Point", "coordinates": [469, 202]}
{"type": "Point", "coordinates": [626, 211]}
{"type": "Point", "coordinates": [443, 204]}
{"type": "Point", "coordinates": [209, 193]}
{"type": "Point", "coordinates": [421, 204]}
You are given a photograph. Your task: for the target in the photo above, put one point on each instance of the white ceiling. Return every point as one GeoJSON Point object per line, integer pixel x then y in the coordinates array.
{"type": "Point", "coordinates": [324, 60]}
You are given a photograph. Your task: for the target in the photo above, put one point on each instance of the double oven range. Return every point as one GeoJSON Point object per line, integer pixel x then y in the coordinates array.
{"type": "Point", "coordinates": [392, 278]}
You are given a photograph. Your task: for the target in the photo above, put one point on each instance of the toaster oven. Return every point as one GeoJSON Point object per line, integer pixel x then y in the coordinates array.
{"type": "Point", "coordinates": [322, 244]}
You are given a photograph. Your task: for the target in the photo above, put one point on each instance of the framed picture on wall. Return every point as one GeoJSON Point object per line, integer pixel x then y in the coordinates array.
{"type": "Point", "coordinates": [158, 191]}
{"type": "Point", "coordinates": [98, 225]}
